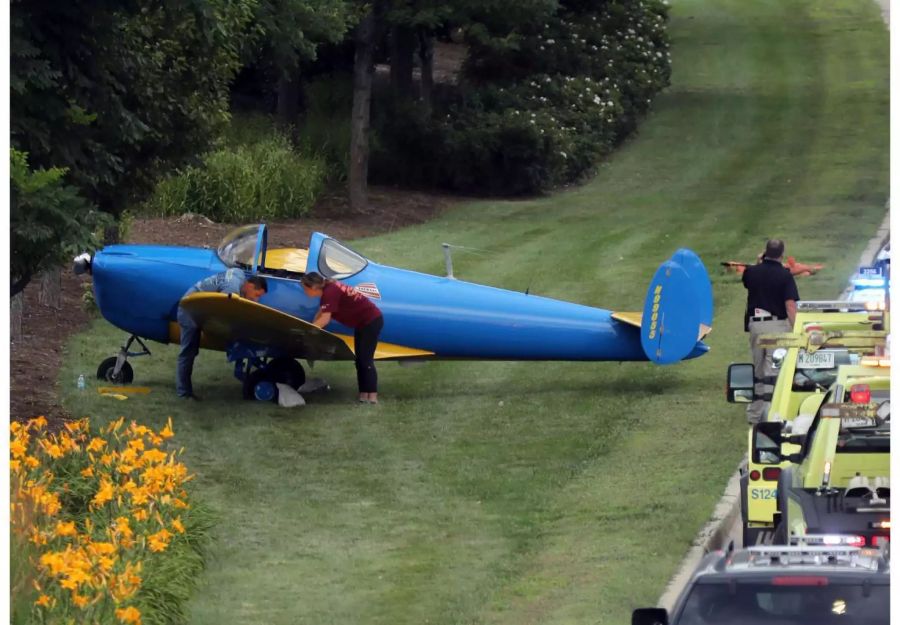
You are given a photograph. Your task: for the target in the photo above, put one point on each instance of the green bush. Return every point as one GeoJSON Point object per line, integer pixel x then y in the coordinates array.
{"type": "Point", "coordinates": [244, 180]}
{"type": "Point", "coordinates": [102, 525]}
{"type": "Point", "coordinates": [537, 114]}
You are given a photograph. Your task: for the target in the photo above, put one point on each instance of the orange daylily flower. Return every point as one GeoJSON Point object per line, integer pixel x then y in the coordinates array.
{"type": "Point", "coordinates": [104, 493]}
{"type": "Point", "coordinates": [66, 528]}
{"type": "Point", "coordinates": [129, 615]}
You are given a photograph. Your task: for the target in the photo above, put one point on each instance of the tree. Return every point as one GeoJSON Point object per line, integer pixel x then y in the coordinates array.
{"type": "Point", "coordinates": [49, 221]}
{"type": "Point", "coordinates": [288, 33]}
{"type": "Point", "coordinates": [365, 35]}
{"type": "Point", "coordinates": [119, 92]}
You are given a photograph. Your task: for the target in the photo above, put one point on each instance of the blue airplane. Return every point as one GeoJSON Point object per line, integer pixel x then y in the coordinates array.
{"type": "Point", "coordinates": [138, 288]}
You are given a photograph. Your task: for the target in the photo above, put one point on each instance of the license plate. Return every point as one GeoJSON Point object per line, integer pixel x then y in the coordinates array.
{"type": "Point", "coordinates": [857, 422]}
{"type": "Point", "coordinates": [816, 360]}
{"type": "Point", "coordinates": [870, 272]}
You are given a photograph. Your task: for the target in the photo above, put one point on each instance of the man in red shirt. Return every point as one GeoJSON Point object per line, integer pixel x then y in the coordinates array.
{"type": "Point", "coordinates": [348, 306]}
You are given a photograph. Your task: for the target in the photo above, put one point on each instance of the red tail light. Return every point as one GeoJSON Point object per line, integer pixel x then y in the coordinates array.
{"type": "Point", "coordinates": [860, 394]}
{"type": "Point", "coordinates": [800, 580]}
{"type": "Point", "coordinates": [771, 473]}
{"type": "Point", "coordinates": [754, 475]}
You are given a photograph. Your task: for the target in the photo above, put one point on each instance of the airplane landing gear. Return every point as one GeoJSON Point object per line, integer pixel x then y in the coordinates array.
{"type": "Point", "coordinates": [259, 378]}
{"type": "Point", "coordinates": [116, 369]}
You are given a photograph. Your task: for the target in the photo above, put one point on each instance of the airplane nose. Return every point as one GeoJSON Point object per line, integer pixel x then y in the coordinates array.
{"type": "Point", "coordinates": [82, 264]}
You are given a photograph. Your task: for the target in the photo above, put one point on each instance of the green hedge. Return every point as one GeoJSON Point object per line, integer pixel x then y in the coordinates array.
{"type": "Point", "coordinates": [250, 178]}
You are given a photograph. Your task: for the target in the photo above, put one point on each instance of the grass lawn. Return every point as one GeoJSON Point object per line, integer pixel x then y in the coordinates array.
{"type": "Point", "coordinates": [515, 493]}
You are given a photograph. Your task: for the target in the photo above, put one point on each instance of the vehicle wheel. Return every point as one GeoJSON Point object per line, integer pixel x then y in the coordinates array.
{"type": "Point", "coordinates": [106, 368]}
{"type": "Point", "coordinates": [278, 371]}
{"type": "Point", "coordinates": [781, 535]}
{"type": "Point", "coordinates": [745, 479]}
{"type": "Point", "coordinates": [286, 371]}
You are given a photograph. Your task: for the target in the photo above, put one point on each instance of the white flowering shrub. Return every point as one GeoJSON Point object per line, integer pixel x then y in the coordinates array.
{"type": "Point", "coordinates": [542, 107]}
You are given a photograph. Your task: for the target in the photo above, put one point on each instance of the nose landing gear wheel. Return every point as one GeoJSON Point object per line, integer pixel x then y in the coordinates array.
{"type": "Point", "coordinates": [106, 372]}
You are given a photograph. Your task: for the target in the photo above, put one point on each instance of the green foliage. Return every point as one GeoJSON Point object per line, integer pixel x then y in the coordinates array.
{"type": "Point", "coordinates": [169, 582]}
{"type": "Point", "coordinates": [288, 32]}
{"type": "Point", "coordinates": [120, 93]}
{"type": "Point", "coordinates": [261, 180]}
{"type": "Point", "coordinates": [544, 106]}
{"type": "Point", "coordinates": [49, 221]}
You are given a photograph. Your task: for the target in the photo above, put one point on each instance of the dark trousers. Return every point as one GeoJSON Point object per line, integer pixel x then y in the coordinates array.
{"type": "Point", "coordinates": [365, 339]}
{"type": "Point", "coordinates": [190, 347]}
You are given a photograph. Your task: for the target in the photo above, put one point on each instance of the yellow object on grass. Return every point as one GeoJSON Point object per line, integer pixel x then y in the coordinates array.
{"type": "Point", "coordinates": [118, 396]}
{"type": "Point", "coordinates": [126, 390]}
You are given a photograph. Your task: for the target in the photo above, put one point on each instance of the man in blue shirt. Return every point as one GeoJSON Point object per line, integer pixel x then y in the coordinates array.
{"type": "Point", "coordinates": [232, 281]}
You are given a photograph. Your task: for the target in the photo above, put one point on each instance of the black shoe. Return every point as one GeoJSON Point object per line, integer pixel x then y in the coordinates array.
{"type": "Point", "coordinates": [191, 396]}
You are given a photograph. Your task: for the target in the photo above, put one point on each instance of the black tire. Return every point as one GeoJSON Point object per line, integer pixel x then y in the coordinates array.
{"type": "Point", "coordinates": [748, 536]}
{"type": "Point", "coordinates": [286, 371]}
{"type": "Point", "coordinates": [279, 370]}
{"type": "Point", "coordinates": [106, 368]}
{"type": "Point", "coordinates": [781, 535]}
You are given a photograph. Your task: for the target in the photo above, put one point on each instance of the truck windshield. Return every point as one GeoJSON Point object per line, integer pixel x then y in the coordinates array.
{"type": "Point", "coordinates": [820, 369]}
{"type": "Point", "coordinates": [764, 603]}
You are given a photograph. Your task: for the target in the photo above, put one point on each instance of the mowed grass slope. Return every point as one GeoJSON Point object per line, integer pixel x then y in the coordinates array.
{"type": "Point", "coordinates": [516, 493]}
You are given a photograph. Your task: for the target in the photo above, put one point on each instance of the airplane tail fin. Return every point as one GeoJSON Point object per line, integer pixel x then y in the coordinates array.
{"type": "Point", "coordinates": [678, 310]}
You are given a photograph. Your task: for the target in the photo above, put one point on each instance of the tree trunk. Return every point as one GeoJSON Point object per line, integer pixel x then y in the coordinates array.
{"type": "Point", "coordinates": [51, 288]}
{"type": "Point", "coordinates": [15, 317]}
{"type": "Point", "coordinates": [288, 107]}
{"type": "Point", "coordinates": [426, 56]}
{"type": "Point", "coordinates": [111, 233]}
{"type": "Point", "coordinates": [363, 69]}
{"type": "Point", "coordinates": [403, 47]}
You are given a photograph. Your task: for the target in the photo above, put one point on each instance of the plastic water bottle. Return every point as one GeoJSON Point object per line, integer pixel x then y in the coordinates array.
{"type": "Point", "coordinates": [80, 382]}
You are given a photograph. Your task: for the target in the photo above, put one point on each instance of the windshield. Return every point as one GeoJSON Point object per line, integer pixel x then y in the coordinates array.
{"type": "Point", "coordinates": [765, 603]}
{"type": "Point", "coordinates": [236, 249]}
{"type": "Point", "coordinates": [820, 369]}
{"type": "Point", "coordinates": [338, 261]}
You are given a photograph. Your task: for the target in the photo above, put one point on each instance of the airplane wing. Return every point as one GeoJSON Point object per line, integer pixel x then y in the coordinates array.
{"type": "Point", "coordinates": [225, 319]}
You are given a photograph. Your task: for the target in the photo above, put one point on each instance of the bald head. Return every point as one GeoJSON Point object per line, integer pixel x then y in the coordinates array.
{"type": "Point", "coordinates": [774, 249]}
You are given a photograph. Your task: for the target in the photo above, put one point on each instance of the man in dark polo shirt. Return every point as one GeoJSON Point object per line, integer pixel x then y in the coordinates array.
{"type": "Point", "coordinates": [771, 308]}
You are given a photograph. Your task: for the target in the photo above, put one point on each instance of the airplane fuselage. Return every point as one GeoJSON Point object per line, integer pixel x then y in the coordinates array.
{"type": "Point", "coordinates": [138, 288]}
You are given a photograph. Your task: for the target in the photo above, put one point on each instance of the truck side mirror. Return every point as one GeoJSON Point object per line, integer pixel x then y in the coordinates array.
{"type": "Point", "coordinates": [650, 616]}
{"type": "Point", "coordinates": [740, 383]}
{"type": "Point", "coordinates": [767, 443]}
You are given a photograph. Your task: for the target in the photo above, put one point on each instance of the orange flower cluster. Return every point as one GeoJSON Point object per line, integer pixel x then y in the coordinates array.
{"type": "Point", "coordinates": [123, 499]}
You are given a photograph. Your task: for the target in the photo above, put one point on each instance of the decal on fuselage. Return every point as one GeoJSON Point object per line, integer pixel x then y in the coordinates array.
{"type": "Point", "coordinates": [369, 289]}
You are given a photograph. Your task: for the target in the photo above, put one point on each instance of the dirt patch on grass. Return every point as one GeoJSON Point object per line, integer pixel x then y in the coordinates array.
{"type": "Point", "coordinates": [36, 359]}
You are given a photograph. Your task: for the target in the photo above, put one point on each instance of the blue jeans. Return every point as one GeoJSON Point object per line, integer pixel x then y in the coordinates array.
{"type": "Point", "coordinates": [190, 347]}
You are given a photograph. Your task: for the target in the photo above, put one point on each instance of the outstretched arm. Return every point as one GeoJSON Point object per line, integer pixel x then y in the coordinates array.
{"type": "Point", "coordinates": [322, 319]}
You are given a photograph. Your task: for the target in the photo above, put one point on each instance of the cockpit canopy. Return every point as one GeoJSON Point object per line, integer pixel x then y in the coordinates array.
{"type": "Point", "coordinates": [245, 247]}
{"type": "Point", "coordinates": [238, 247]}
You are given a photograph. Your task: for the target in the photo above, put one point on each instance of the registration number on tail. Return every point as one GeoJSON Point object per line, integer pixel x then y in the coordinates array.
{"type": "Point", "coordinates": [763, 493]}
{"type": "Point", "coordinates": [815, 360]}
